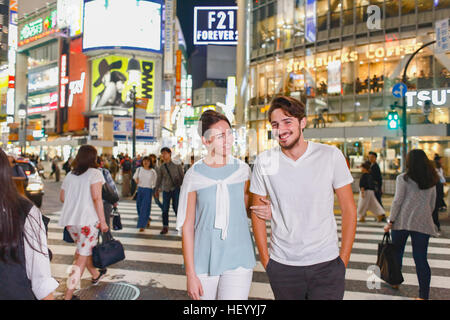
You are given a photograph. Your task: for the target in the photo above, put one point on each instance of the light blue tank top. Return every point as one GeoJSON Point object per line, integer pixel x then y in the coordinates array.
{"type": "Point", "coordinates": [212, 255]}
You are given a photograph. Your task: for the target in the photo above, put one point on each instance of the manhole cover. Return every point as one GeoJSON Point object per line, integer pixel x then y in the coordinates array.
{"type": "Point", "coordinates": [110, 291]}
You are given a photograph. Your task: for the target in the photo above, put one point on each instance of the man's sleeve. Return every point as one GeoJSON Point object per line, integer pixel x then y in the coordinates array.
{"type": "Point", "coordinates": [257, 184]}
{"type": "Point", "coordinates": [341, 173]}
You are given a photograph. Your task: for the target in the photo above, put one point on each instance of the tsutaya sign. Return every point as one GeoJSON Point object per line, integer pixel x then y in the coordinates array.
{"type": "Point", "coordinates": [380, 52]}
{"type": "Point", "coordinates": [438, 97]}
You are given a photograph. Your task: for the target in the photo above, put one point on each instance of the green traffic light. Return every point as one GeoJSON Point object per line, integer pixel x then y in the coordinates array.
{"type": "Point", "coordinates": [393, 120]}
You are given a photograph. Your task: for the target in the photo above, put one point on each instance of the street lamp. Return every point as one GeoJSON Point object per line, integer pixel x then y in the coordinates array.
{"type": "Point", "coordinates": [134, 76]}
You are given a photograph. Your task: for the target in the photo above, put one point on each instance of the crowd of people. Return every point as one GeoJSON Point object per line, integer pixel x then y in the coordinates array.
{"type": "Point", "coordinates": [293, 186]}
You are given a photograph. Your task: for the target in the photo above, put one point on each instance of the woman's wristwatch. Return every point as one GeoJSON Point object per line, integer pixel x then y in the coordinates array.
{"type": "Point", "coordinates": [390, 221]}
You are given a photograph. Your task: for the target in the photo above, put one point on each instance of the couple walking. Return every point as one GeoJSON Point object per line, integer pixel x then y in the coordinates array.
{"type": "Point", "coordinates": [292, 185]}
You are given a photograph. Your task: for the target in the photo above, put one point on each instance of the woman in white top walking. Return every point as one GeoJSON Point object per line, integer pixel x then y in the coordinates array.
{"type": "Point", "coordinates": [145, 178]}
{"type": "Point", "coordinates": [82, 213]}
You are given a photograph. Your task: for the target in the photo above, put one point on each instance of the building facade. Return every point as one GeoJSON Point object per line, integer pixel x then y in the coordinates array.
{"type": "Point", "coordinates": [342, 60]}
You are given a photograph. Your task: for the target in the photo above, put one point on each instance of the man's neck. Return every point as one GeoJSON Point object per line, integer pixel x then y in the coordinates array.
{"type": "Point", "coordinates": [297, 150]}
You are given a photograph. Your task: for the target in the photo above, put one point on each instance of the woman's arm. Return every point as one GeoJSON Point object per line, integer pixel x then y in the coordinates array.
{"type": "Point", "coordinates": [62, 196]}
{"type": "Point", "coordinates": [36, 257]}
{"type": "Point", "coordinates": [96, 193]}
{"type": "Point", "coordinates": [194, 286]}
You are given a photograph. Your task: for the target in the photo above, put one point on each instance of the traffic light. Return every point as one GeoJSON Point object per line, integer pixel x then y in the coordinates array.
{"type": "Point", "coordinates": [393, 120]}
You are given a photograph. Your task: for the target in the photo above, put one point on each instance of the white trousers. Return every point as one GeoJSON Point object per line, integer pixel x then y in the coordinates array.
{"type": "Point", "coordinates": [369, 202]}
{"type": "Point", "coordinates": [230, 285]}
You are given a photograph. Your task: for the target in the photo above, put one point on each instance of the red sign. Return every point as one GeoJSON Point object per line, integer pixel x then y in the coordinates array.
{"type": "Point", "coordinates": [12, 82]}
{"type": "Point", "coordinates": [78, 75]}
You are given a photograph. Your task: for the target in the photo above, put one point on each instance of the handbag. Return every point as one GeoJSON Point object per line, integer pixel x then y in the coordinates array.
{"type": "Point", "coordinates": [108, 193]}
{"type": "Point", "coordinates": [117, 223]}
{"type": "Point", "coordinates": [67, 237]}
{"type": "Point", "coordinates": [107, 252]}
{"type": "Point", "coordinates": [390, 270]}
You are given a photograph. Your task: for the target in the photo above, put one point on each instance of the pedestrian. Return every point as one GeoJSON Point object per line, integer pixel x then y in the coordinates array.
{"type": "Point", "coordinates": [113, 167]}
{"type": "Point", "coordinates": [377, 177]}
{"type": "Point", "coordinates": [66, 165]}
{"type": "Point", "coordinates": [367, 200]}
{"type": "Point", "coordinates": [440, 203]}
{"type": "Point", "coordinates": [107, 207]}
{"type": "Point", "coordinates": [126, 175]}
{"type": "Point", "coordinates": [170, 179]}
{"type": "Point", "coordinates": [154, 165]}
{"type": "Point", "coordinates": [218, 251]}
{"type": "Point", "coordinates": [55, 169]}
{"type": "Point", "coordinates": [145, 178]}
{"type": "Point", "coordinates": [411, 214]}
{"type": "Point", "coordinates": [82, 212]}
{"type": "Point", "coordinates": [40, 169]}
{"type": "Point", "coordinates": [301, 178]}
{"type": "Point", "coordinates": [25, 272]}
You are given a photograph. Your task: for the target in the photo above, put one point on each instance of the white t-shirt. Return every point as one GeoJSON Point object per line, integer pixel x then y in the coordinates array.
{"type": "Point", "coordinates": [78, 208]}
{"type": "Point", "coordinates": [147, 178]}
{"type": "Point", "coordinates": [304, 230]}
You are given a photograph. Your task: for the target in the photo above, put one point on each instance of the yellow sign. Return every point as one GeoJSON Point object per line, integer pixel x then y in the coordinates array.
{"type": "Point", "coordinates": [111, 83]}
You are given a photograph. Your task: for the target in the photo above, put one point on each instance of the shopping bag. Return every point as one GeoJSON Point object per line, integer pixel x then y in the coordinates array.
{"type": "Point", "coordinates": [117, 223]}
{"type": "Point", "coordinates": [67, 237]}
{"type": "Point", "coordinates": [390, 270]}
{"type": "Point", "coordinates": [107, 252]}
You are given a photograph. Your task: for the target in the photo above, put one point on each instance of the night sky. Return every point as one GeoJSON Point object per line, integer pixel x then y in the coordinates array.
{"type": "Point", "coordinates": [185, 13]}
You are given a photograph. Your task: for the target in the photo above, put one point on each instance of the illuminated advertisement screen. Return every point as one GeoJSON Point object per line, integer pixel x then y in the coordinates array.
{"type": "Point", "coordinates": [215, 25]}
{"type": "Point", "coordinates": [127, 24]}
{"type": "Point", "coordinates": [111, 83]}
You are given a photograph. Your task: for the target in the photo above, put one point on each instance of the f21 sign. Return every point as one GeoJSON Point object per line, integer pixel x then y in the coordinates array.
{"type": "Point", "coordinates": [215, 25]}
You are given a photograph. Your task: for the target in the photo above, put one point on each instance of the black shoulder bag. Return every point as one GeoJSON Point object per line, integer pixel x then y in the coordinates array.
{"type": "Point", "coordinates": [107, 252]}
{"type": "Point", "coordinates": [390, 270]}
{"type": "Point", "coordinates": [108, 193]}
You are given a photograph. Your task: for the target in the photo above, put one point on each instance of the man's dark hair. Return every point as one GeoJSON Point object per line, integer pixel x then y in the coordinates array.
{"type": "Point", "coordinates": [373, 153]}
{"type": "Point", "coordinates": [208, 118]}
{"type": "Point", "coordinates": [289, 105]}
{"type": "Point", "coordinates": [165, 149]}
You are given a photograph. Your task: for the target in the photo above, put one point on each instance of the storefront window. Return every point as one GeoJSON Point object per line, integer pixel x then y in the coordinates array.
{"type": "Point", "coordinates": [408, 7]}
{"type": "Point", "coordinates": [43, 55]}
{"type": "Point", "coordinates": [347, 13]}
{"type": "Point", "coordinates": [443, 4]}
{"type": "Point", "coordinates": [361, 10]}
{"type": "Point", "coordinates": [299, 21]}
{"type": "Point", "coordinates": [335, 19]}
{"type": "Point", "coordinates": [391, 8]}
{"type": "Point", "coordinates": [348, 71]}
{"type": "Point", "coordinates": [322, 10]}
{"type": "Point", "coordinates": [424, 5]}
{"type": "Point", "coordinates": [310, 74]}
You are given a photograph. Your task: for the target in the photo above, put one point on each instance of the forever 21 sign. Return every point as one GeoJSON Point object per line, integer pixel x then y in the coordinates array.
{"type": "Point", "coordinates": [215, 25]}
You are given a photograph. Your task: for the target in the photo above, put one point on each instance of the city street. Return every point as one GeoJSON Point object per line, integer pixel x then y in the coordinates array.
{"type": "Point", "coordinates": [154, 263]}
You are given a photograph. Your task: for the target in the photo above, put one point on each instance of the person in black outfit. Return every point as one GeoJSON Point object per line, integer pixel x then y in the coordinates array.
{"type": "Point", "coordinates": [367, 200]}
{"type": "Point", "coordinates": [376, 174]}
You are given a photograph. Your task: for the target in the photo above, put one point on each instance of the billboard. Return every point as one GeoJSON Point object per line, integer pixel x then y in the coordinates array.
{"type": "Point", "coordinates": [43, 79]}
{"type": "Point", "coordinates": [70, 15]}
{"type": "Point", "coordinates": [215, 25]}
{"type": "Point", "coordinates": [310, 21]}
{"type": "Point", "coordinates": [111, 85]}
{"type": "Point", "coordinates": [127, 24]}
{"type": "Point", "coordinates": [76, 102]}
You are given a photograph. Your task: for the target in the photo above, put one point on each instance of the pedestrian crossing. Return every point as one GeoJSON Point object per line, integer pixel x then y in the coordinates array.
{"type": "Point", "coordinates": [156, 260]}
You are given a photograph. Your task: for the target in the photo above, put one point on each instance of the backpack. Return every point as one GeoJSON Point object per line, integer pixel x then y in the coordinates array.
{"type": "Point", "coordinates": [126, 165]}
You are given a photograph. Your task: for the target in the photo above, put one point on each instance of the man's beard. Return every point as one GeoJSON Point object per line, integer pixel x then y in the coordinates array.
{"type": "Point", "coordinates": [290, 146]}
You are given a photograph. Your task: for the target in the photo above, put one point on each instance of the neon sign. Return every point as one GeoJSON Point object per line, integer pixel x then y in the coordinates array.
{"type": "Point", "coordinates": [38, 28]}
